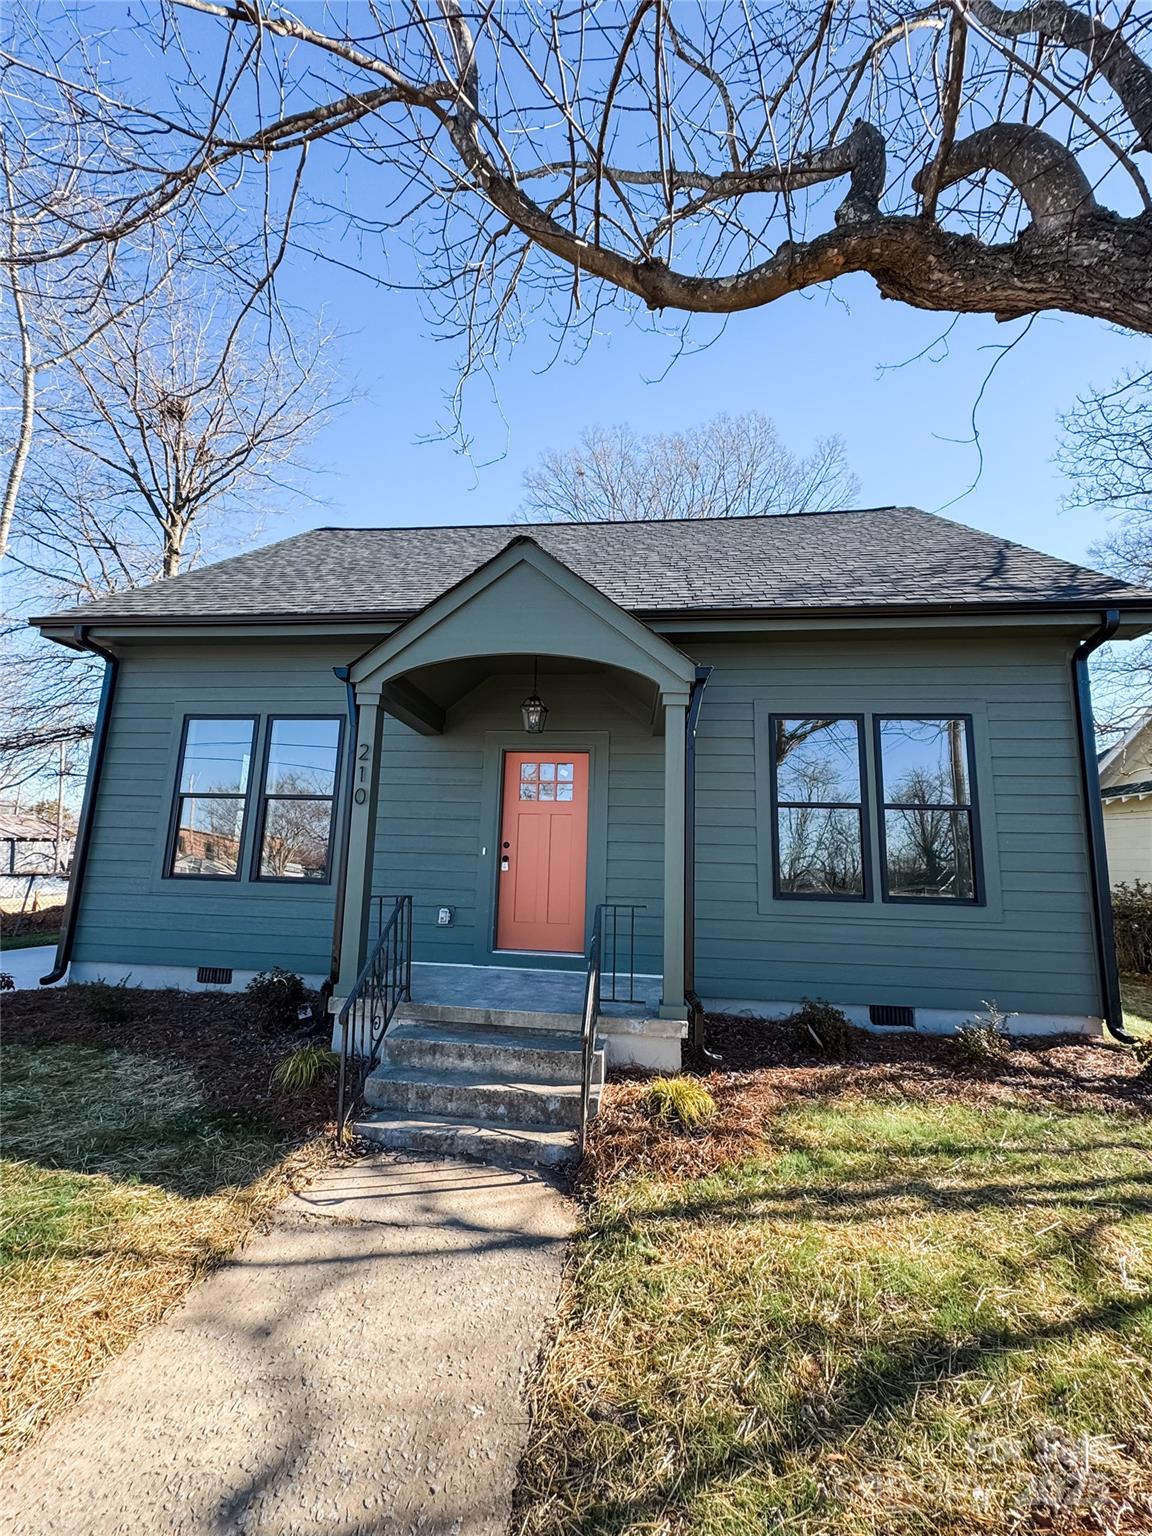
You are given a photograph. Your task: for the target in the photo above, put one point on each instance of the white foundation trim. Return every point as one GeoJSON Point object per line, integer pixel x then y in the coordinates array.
{"type": "Point", "coordinates": [929, 1021]}
{"type": "Point", "coordinates": [157, 977]}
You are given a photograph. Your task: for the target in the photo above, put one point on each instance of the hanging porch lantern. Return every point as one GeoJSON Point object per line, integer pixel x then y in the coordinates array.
{"type": "Point", "coordinates": [534, 711]}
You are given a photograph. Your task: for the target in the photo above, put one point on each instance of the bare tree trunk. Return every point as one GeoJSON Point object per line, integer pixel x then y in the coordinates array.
{"type": "Point", "coordinates": [27, 413]}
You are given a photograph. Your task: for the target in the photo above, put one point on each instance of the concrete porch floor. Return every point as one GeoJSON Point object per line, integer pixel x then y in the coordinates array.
{"type": "Point", "coordinates": [508, 989]}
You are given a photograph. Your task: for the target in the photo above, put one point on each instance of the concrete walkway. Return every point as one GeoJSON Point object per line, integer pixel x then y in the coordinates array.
{"type": "Point", "coordinates": [360, 1368]}
{"type": "Point", "coordinates": [26, 966]}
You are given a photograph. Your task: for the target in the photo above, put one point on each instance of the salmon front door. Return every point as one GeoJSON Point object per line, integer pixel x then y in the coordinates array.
{"type": "Point", "coordinates": [543, 852]}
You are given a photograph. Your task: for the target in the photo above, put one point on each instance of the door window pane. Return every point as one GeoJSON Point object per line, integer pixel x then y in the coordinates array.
{"type": "Point", "coordinates": [217, 756]}
{"type": "Point", "coordinates": [564, 770]}
{"type": "Point", "coordinates": [548, 770]}
{"type": "Point", "coordinates": [527, 770]}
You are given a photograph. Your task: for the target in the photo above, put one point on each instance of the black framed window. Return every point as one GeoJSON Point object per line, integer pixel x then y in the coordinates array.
{"type": "Point", "coordinates": [211, 795]}
{"type": "Point", "coordinates": [928, 840]}
{"type": "Point", "coordinates": [818, 806]}
{"type": "Point", "coordinates": [301, 769]}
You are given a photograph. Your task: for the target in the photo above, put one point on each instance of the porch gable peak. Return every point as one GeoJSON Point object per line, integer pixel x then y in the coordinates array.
{"type": "Point", "coordinates": [524, 602]}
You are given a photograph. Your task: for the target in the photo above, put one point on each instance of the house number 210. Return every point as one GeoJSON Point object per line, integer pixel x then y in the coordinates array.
{"type": "Point", "coordinates": [364, 755]}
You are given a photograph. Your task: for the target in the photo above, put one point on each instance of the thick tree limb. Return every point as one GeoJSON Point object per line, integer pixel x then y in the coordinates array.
{"type": "Point", "coordinates": [1045, 173]}
{"type": "Point", "coordinates": [1104, 47]}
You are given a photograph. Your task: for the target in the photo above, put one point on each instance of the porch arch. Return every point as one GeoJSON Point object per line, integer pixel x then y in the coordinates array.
{"type": "Point", "coordinates": [523, 603]}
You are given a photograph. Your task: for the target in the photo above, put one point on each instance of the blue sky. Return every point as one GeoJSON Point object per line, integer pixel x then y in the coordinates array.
{"type": "Point", "coordinates": [815, 364]}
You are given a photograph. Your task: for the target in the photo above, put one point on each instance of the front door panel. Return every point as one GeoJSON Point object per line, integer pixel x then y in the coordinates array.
{"type": "Point", "coordinates": [543, 854]}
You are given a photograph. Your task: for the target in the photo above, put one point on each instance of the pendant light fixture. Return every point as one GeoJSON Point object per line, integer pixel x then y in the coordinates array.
{"type": "Point", "coordinates": [534, 711]}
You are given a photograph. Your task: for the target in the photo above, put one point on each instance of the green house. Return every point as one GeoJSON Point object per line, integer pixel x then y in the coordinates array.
{"type": "Point", "coordinates": [844, 755]}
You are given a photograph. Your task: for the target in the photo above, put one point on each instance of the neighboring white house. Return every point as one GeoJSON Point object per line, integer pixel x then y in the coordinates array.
{"type": "Point", "coordinates": [1126, 789]}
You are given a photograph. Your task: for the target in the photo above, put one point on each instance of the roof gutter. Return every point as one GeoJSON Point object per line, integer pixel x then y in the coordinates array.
{"type": "Point", "coordinates": [345, 676]}
{"type": "Point", "coordinates": [695, 1006]}
{"type": "Point", "coordinates": [82, 642]}
{"type": "Point", "coordinates": [1094, 811]}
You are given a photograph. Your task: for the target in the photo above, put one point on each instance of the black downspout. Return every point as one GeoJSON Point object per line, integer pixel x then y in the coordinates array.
{"type": "Point", "coordinates": [328, 987]}
{"type": "Point", "coordinates": [695, 1007]}
{"type": "Point", "coordinates": [88, 805]}
{"type": "Point", "coordinates": [1097, 852]}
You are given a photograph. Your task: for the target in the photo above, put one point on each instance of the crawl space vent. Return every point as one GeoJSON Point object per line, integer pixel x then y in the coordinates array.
{"type": "Point", "coordinates": [214, 975]}
{"type": "Point", "coordinates": [890, 1017]}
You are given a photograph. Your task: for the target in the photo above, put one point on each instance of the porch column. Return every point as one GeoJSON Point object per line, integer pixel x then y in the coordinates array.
{"type": "Point", "coordinates": [672, 1004]}
{"type": "Point", "coordinates": [361, 841]}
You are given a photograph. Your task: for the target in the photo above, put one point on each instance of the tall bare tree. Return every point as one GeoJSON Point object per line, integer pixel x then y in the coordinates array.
{"type": "Point", "coordinates": [988, 159]}
{"type": "Point", "coordinates": [1106, 453]}
{"type": "Point", "coordinates": [177, 428]}
{"type": "Point", "coordinates": [730, 466]}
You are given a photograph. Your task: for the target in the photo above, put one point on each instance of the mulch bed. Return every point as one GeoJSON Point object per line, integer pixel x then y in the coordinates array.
{"type": "Point", "coordinates": [768, 1065]}
{"type": "Point", "coordinates": [209, 1032]}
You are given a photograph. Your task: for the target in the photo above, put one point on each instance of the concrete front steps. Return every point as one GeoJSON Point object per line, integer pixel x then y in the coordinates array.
{"type": "Point", "coordinates": [471, 1083]}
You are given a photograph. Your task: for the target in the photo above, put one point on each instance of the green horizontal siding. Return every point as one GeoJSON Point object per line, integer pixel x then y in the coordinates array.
{"type": "Point", "coordinates": [129, 913]}
{"type": "Point", "coordinates": [1030, 948]}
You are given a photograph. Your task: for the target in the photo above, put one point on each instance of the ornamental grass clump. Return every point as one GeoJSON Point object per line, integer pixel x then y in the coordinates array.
{"type": "Point", "coordinates": [681, 1103]}
{"type": "Point", "coordinates": [304, 1068]}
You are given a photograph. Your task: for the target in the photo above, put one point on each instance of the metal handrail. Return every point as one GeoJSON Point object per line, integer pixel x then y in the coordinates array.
{"type": "Point", "coordinates": [588, 1028]}
{"type": "Point", "coordinates": [605, 945]}
{"type": "Point", "coordinates": [368, 1010]}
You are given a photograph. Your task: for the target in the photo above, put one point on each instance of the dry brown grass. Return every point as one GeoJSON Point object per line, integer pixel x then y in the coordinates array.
{"type": "Point", "coordinates": [62, 1317]}
{"type": "Point", "coordinates": [129, 1172]}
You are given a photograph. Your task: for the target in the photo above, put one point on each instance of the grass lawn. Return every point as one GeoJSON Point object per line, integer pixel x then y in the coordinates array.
{"type": "Point", "coordinates": [879, 1297]}
{"type": "Point", "coordinates": [127, 1170]}
{"type": "Point", "coordinates": [26, 941]}
{"type": "Point", "coordinates": [1138, 1003]}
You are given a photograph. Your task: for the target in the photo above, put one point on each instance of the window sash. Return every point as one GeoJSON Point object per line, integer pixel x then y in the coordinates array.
{"type": "Point", "coordinates": [180, 797]}
{"type": "Point", "coordinates": [965, 812]}
{"type": "Point", "coordinates": [270, 798]}
{"type": "Point", "coordinates": [780, 805]}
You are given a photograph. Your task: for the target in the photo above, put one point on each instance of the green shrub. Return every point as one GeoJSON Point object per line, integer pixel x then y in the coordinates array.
{"type": "Point", "coordinates": [109, 1002]}
{"type": "Point", "coordinates": [1132, 915]}
{"type": "Point", "coordinates": [275, 998]}
{"type": "Point", "coordinates": [828, 1026]}
{"type": "Point", "coordinates": [7, 982]}
{"type": "Point", "coordinates": [681, 1102]}
{"type": "Point", "coordinates": [303, 1068]}
{"type": "Point", "coordinates": [983, 1041]}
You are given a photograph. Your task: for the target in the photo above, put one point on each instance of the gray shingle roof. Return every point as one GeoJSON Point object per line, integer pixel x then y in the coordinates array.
{"type": "Point", "coordinates": [887, 557]}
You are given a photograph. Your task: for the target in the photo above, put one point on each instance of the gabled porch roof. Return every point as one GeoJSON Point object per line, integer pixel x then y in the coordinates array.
{"type": "Point", "coordinates": [523, 602]}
